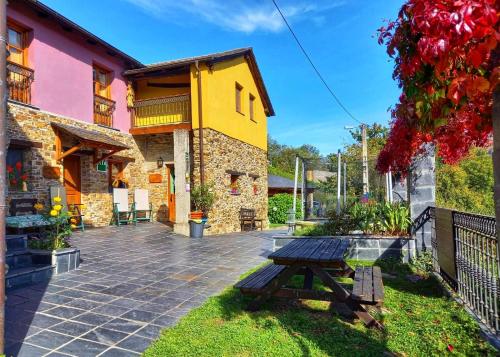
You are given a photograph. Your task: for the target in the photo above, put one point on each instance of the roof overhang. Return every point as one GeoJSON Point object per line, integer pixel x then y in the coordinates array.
{"type": "Point", "coordinates": [183, 66]}
{"type": "Point", "coordinates": [86, 138]}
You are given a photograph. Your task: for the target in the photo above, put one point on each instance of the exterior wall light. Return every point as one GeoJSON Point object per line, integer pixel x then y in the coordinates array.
{"type": "Point", "coordinates": [159, 162]}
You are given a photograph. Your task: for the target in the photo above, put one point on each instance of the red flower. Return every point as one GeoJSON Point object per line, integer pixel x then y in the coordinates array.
{"type": "Point", "coordinates": [24, 177]}
{"type": "Point", "coordinates": [450, 348]}
{"type": "Point", "coordinates": [13, 182]}
{"type": "Point", "coordinates": [10, 169]}
{"type": "Point", "coordinates": [19, 165]}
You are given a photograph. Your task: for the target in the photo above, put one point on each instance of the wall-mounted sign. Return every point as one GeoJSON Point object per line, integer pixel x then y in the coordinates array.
{"type": "Point", "coordinates": [51, 172]}
{"type": "Point", "coordinates": [102, 166]}
{"type": "Point", "coordinates": [155, 178]}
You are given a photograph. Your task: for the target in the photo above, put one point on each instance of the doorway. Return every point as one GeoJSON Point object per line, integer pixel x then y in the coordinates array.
{"type": "Point", "coordinates": [171, 193]}
{"type": "Point", "coordinates": [72, 179]}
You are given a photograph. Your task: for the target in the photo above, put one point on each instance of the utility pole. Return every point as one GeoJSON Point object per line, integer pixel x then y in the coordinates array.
{"type": "Point", "coordinates": [364, 144]}
{"type": "Point", "coordinates": [345, 184]}
{"type": "Point", "coordinates": [391, 197]}
{"type": "Point", "coordinates": [303, 189]}
{"type": "Point", "coordinates": [387, 198]}
{"type": "Point", "coordinates": [339, 180]}
{"type": "Point", "coordinates": [296, 178]}
{"type": "Point", "coordinates": [3, 169]}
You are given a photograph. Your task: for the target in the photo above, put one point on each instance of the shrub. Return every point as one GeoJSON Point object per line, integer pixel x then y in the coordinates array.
{"type": "Point", "coordinates": [279, 205]}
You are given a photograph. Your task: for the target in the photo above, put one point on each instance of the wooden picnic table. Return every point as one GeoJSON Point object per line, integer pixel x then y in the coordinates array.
{"type": "Point", "coordinates": [324, 258]}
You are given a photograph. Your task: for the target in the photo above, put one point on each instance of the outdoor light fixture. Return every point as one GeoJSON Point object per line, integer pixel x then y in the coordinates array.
{"type": "Point", "coordinates": [159, 162]}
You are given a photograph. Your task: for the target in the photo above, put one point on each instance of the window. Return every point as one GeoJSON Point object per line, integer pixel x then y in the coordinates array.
{"type": "Point", "coordinates": [239, 90]}
{"type": "Point", "coordinates": [250, 107]}
{"type": "Point", "coordinates": [115, 175]}
{"type": "Point", "coordinates": [16, 44]}
{"type": "Point", "coordinates": [101, 82]}
{"type": "Point", "coordinates": [234, 185]}
{"type": "Point", "coordinates": [17, 171]}
{"type": "Point", "coordinates": [104, 107]}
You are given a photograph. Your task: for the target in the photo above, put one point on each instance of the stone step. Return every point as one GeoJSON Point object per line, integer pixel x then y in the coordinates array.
{"type": "Point", "coordinates": [28, 275]}
{"type": "Point", "coordinates": [16, 242]}
{"type": "Point", "coordinates": [19, 259]}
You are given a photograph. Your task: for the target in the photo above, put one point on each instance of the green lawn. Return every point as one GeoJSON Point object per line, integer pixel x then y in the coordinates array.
{"type": "Point", "coordinates": [420, 321]}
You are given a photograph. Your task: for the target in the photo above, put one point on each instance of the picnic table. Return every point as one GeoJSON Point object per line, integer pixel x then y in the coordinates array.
{"type": "Point", "coordinates": [324, 258]}
{"type": "Point", "coordinates": [20, 223]}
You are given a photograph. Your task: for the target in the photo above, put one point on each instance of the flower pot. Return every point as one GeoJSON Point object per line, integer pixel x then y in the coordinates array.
{"type": "Point", "coordinates": [196, 229]}
{"type": "Point", "coordinates": [197, 215]}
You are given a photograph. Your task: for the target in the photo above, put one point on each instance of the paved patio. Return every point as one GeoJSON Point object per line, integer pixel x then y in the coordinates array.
{"type": "Point", "coordinates": [132, 283]}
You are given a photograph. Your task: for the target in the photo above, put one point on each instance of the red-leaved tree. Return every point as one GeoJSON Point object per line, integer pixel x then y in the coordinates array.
{"type": "Point", "coordinates": [447, 65]}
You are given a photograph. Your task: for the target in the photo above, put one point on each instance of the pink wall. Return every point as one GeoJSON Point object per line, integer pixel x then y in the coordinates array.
{"type": "Point", "coordinates": [63, 70]}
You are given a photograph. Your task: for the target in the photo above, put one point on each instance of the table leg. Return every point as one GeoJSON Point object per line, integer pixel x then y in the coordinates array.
{"type": "Point", "coordinates": [308, 279]}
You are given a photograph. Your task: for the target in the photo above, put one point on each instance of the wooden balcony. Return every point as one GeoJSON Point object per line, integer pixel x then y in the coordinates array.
{"type": "Point", "coordinates": [19, 79]}
{"type": "Point", "coordinates": [103, 110]}
{"type": "Point", "coordinates": [161, 115]}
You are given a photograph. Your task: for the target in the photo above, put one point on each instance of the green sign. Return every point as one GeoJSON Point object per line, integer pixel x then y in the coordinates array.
{"type": "Point", "coordinates": [102, 166]}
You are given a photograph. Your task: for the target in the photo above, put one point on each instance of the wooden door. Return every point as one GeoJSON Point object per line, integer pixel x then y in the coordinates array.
{"type": "Point", "coordinates": [171, 192]}
{"type": "Point", "coordinates": [72, 179]}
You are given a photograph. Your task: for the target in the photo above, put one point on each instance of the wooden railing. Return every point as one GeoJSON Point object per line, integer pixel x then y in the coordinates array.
{"type": "Point", "coordinates": [19, 79]}
{"type": "Point", "coordinates": [162, 111]}
{"type": "Point", "coordinates": [103, 110]}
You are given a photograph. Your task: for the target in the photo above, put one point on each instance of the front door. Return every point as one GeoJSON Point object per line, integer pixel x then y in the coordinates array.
{"type": "Point", "coordinates": [72, 181]}
{"type": "Point", "coordinates": [171, 192]}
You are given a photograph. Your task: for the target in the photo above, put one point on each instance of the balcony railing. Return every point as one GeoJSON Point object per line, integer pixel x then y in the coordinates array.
{"type": "Point", "coordinates": [162, 111]}
{"type": "Point", "coordinates": [19, 79]}
{"type": "Point", "coordinates": [103, 110]}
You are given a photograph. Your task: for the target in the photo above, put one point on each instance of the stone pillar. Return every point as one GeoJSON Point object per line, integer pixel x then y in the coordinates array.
{"type": "Point", "coordinates": [182, 171]}
{"type": "Point", "coordinates": [419, 189]}
{"type": "Point", "coordinates": [422, 181]}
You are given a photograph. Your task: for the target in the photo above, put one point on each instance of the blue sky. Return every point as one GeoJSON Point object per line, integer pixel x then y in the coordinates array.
{"type": "Point", "coordinates": [340, 36]}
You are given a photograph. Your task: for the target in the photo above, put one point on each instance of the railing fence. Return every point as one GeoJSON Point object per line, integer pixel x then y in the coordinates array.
{"type": "Point", "coordinates": [465, 254]}
{"type": "Point", "coordinates": [19, 79]}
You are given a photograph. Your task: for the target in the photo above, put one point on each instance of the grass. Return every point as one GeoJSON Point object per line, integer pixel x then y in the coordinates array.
{"type": "Point", "coordinates": [420, 320]}
{"type": "Point", "coordinates": [277, 225]}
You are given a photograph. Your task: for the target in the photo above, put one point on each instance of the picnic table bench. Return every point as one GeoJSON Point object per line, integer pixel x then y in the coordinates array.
{"type": "Point", "coordinates": [323, 258]}
{"type": "Point", "coordinates": [249, 217]}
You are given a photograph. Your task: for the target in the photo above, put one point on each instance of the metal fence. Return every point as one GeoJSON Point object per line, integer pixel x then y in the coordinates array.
{"type": "Point", "coordinates": [465, 254]}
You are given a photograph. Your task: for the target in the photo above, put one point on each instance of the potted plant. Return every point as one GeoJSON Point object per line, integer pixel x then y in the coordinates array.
{"type": "Point", "coordinates": [202, 197]}
{"type": "Point", "coordinates": [54, 245]}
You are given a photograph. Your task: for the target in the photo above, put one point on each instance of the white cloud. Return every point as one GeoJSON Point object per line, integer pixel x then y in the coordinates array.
{"type": "Point", "coordinates": [243, 16]}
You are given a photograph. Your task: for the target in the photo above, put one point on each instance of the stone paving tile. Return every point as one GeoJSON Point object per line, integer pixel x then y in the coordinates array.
{"type": "Point", "coordinates": [83, 348]}
{"type": "Point", "coordinates": [132, 283]}
{"type": "Point", "coordinates": [135, 343]}
{"type": "Point", "coordinates": [105, 336]}
{"type": "Point", "coordinates": [118, 352]}
{"type": "Point", "coordinates": [48, 339]}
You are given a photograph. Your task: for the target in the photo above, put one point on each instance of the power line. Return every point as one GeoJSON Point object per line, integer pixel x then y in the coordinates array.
{"type": "Point", "coordinates": [313, 66]}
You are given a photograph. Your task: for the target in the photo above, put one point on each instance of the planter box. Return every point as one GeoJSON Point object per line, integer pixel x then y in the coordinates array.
{"type": "Point", "coordinates": [367, 247]}
{"type": "Point", "coordinates": [63, 260]}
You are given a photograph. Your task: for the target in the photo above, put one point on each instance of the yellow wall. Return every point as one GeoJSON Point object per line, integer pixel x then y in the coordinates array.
{"type": "Point", "coordinates": [219, 107]}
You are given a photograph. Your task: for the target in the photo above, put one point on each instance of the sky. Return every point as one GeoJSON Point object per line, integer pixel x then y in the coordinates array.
{"type": "Point", "coordinates": [339, 35]}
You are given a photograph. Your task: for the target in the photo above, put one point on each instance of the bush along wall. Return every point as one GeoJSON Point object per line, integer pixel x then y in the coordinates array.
{"type": "Point", "coordinates": [279, 205]}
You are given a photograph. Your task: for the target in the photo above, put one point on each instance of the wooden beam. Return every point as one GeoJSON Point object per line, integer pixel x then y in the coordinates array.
{"type": "Point", "coordinates": [104, 157]}
{"type": "Point", "coordinates": [58, 144]}
{"type": "Point", "coordinates": [160, 129]}
{"type": "Point", "coordinates": [19, 143]}
{"type": "Point", "coordinates": [70, 151]}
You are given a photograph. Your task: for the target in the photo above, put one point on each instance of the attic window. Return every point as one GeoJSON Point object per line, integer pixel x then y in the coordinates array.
{"type": "Point", "coordinates": [239, 92]}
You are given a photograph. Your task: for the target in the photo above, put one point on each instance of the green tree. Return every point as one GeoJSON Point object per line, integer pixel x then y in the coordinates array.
{"type": "Point", "coordinates": [468, 185]}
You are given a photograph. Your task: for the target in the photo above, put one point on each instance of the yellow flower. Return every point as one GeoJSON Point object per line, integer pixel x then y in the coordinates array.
{"type": "Point", "coordinates": [72, 220]}
{"type": "Point", "coordinates": [53, 213]}
{"type": "Point", "coordinates": [57, 207]}
{"type": "Point", "coordinates": [38, 206]}
{"type": "Point", "coordinates": [57, 199]}
{"type": "Point", "coordinates": [73, 226]}
{"type": "Point", "coordinates": [82, 207]}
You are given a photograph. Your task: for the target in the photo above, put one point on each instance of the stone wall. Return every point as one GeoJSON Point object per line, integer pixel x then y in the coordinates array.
{"type": "Point", "coordinates": [222, 155]}
{"type": "Point", "coordinates": [30, 124]}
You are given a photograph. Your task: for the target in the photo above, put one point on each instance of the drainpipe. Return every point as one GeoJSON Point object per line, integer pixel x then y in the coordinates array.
{"type": "Point", "coordinates": [3, 173]}
{"type": "Point", "coordinates": [200, 124]}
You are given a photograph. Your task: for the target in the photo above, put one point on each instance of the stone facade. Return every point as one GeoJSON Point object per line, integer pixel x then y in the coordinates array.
{"type": "Point", "coordinates": [224, 155]}
{"type": "Point", "coordinates": [30, 124]}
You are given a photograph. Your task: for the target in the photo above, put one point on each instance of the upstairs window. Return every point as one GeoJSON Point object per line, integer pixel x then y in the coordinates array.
{"type": "Point", "coordinates": [239, 91]}
{"type": "Point", "coordinates": [101, 82]}
{"type": "Point", "coordinates": [251, 107]}
{"type": "Point", "coordinates": [16, 44]}
{"type": "Point", "coordinates": [104, 107]}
